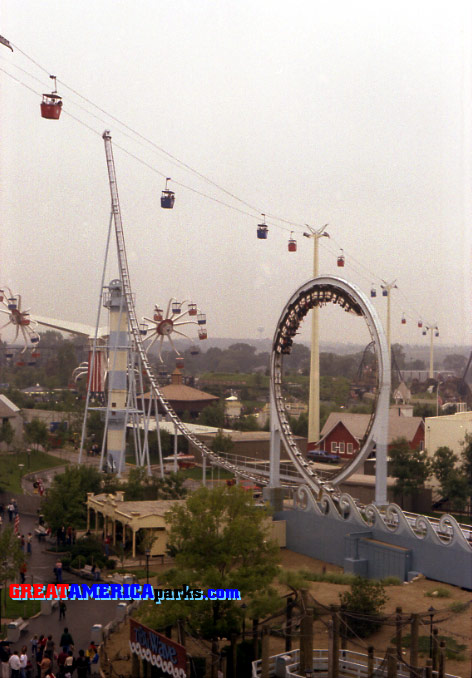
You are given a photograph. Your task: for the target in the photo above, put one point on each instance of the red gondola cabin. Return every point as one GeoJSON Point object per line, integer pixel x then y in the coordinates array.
{"type": "Point", "coordinates": [51, 106]}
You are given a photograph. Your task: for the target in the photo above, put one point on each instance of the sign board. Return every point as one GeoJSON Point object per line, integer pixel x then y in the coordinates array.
{"type": "Point", "coordinates": [157, 649]}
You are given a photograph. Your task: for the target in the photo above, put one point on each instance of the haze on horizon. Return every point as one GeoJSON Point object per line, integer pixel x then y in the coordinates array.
{"type": "Point", "coordinates": [352, 114]}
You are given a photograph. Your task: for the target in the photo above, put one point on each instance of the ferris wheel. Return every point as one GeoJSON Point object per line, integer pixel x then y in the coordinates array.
{"type": "Point", "coordinates": [178, 316]}
{"type": "Point", "coordinates": [10, 305]}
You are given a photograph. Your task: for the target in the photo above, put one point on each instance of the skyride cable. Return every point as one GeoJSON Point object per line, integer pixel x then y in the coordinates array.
{"type": "Point", "coordinates": [257, 212]}
{"type": "Point", "coordinates": [162, 150]}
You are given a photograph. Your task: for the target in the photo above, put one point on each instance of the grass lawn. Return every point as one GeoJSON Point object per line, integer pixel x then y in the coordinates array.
{"type": "Point", "coordinates": [139, 572]}
{"type": "Point", "coordinates": [12, 609]}
{"type": "Point", "coordinates": [10, 470]}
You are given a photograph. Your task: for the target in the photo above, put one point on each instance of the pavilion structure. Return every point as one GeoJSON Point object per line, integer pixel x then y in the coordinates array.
{"type": "Point", "coordinates": [113, 515]}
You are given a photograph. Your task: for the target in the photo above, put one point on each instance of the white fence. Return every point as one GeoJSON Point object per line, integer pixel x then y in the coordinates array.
{"type": "Point", "coordinates": [351, 665]}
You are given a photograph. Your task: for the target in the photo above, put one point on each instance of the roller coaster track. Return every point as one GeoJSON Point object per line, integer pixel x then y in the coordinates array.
{"type": "Point", "coordinates": [136, 334]}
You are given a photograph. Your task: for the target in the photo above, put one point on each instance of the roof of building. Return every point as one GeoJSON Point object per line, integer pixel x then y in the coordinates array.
{"type": "Point", "coordinates": [356, 424]}
{"type": "Point", "coordinates": [180, 392]}
{"type": "Point", "coordinates": [157, 507]}
{"type": "Point", "coordinates": [7, 408]}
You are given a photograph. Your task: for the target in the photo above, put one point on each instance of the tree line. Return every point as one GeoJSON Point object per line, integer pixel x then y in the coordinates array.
{"type": "Point", "coordinates": [412, 468]}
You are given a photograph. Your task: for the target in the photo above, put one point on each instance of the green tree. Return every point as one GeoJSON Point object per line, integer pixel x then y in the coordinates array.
{"type": "Point", "coordinates": [36, 432]}
{"type": "Point", "coordinates": [466, 466]}
{"type": "Point", "coordinates": [411, 468]}
{"type": "Point", "coordinates": [456, 361]}
{"type": "Point", "coordinates": [220, 540]}
{"type": "Point", "coordinates": [213, 415]}
{"type": "Point", "coordinates": [222, 443]}
{"type": "Point", "coordinates": [362, 606]}
{"type": "Point", "coordinates": [457, 489]}
{"type": "Point", "coordinates": [11, 557]}
{"type": "Point", "coordinates": [444, 461]}
{"type": "Point", "coordinates": [454, 483]}
{"type": "Point", "coordinates": [6, 433]}
{"type": "Point", "coordinates": [65, 501]}
{"type": "Point", "coordinates": [299, 425]}
{"type": "Point", "coordinates": [424, 410]}
{"type": "Point", "coordinates": [248, 423]}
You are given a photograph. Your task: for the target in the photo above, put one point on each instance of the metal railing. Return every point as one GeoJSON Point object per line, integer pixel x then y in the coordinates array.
{"type": "Point", "coordinates": [351, 665]}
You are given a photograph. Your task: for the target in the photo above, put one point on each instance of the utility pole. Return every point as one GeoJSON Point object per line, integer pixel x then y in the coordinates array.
{"type": "Point", "coordinates": [314, 402]}
{"type": "Point", "coordinates": [434, 332]}
{"type": "Point", "coordinates": [387, 288]}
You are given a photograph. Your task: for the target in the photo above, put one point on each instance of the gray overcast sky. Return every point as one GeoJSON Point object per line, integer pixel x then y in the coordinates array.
{"type": "Point", "coordinates": [356, 114]}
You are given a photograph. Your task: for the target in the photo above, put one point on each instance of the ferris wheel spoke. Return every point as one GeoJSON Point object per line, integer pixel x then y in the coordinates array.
{"type": "Point", "coordinates": [187, 322]}
{"type": "Point", "coordinates": [160, 349]}
{"type": "Point", "coordinates": [25, 338]}
{"type": "Point", "coordinates": [153, 341]}
{"type": "Point", "coordinates": [181, 315]}
{"type": "Point", "coordinates": [5, 325]}
{"type": "Point", "coordinates": [172, 343]}
{"type": "Point", "coordinates": [169, 305]}
{"type": "Point", "coordinates": [181, 334]}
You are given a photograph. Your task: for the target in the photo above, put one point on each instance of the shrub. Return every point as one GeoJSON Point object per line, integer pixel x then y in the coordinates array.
{"type": "Point", "coordinates": [362, 606]}
{"type": "Point", "coordinates": [439, 593]}
{"type": "Point", "coordinates": [458, 606]}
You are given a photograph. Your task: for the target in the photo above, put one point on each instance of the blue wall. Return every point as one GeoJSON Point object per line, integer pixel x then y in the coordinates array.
{"type": "Point", "coordinates": [347, 544]}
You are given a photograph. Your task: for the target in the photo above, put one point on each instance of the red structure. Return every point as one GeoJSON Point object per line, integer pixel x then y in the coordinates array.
{"type": "Point", "coordinates": [343, 432]}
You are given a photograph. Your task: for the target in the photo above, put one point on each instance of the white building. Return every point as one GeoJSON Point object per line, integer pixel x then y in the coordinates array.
{"type": "Point", "coordinates": [447, 431]}
{"type": "Point", "coordinates": [233, 407]}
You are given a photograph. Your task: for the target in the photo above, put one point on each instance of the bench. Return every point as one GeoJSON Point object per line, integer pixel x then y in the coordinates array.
{"type": "Point", "coordinates": [14, 629]}
{"type": "Point", "coordinates": [87, 573]}
{"type": "Point", "coordinates": [40, 532]}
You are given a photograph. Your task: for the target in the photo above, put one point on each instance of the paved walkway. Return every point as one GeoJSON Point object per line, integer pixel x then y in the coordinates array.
{"type": "Point", "coordinates": [80, 615]}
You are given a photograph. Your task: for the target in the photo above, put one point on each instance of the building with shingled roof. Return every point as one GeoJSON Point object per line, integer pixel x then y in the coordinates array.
{"type": "Point", "coordinates": [183, 398]}
{"type": "Point", "coordinates": [343, 432]}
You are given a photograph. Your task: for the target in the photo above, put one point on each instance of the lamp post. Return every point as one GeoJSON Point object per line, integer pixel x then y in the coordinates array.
{"type": "Point", "coordinates": [314, 401]}
{"type": "Point", "coordinates": [148, 553]}
{"type": "Point", "coordinates": [431, 612]}
{"type": "Point", "coordinates": [21, 467]}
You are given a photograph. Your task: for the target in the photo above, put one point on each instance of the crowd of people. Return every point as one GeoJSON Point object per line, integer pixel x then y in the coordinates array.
{"type": "Point", "coordinates": [44, 660]}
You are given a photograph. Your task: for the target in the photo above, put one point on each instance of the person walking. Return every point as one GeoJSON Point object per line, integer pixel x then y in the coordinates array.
{"type": "Point", "coordinates": [11, 510]}
{"type": "Point", "coordinates": [61, 660]}
{"type": "Point", "coordinates": [58, 572]}
{"type": "Point", "coordinates": [29, 540]}
{"type": "Point", "coordinates": [81, 665]}
{"type": "Point", "coordinates": [23, 661]}
{"type": "Point", "coordinates": [62, 610]}
{"type": "Point", "coordinates": [15, 665]}
{"type": "Point", "coordinates": [66, 640]}
{"type": "Point", "coordinates": [23, 569]}
{"type": "Point", "coordinates": [46, 665]}
{"type": "Point", "coordinates": [69, 665]}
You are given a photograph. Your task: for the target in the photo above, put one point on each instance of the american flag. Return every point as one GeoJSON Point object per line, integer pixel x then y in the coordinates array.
{"type": "Point", "coordinates": [16, 529]}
